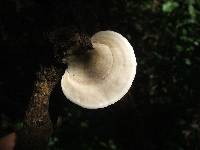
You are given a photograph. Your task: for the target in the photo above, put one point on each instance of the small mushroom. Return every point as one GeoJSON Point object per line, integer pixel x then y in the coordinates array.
{"type": "Point", "coordinates": [102, 76]}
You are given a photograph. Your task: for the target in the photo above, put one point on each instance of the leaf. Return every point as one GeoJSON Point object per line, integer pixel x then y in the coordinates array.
{"type": "Point", "coordinates": [192, 11]}
{"type": "Point", "coordinates": [169, 6]}
{"type": "Point", "coordinates": [188, 61]}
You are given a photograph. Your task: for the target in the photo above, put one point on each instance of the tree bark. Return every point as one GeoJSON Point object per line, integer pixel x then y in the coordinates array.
{"type": "Point", "coordinates": [37, 127]}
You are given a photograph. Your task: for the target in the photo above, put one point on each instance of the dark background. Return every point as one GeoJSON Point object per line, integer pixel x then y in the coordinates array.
{"type": "Point", "coordinates": [160, 112]}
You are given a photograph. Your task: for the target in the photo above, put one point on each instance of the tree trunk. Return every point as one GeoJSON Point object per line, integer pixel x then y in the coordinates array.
{"type": "Point", "coordinates": [37, 123]}
{"type": "Point", "coordinates": [37, 127]}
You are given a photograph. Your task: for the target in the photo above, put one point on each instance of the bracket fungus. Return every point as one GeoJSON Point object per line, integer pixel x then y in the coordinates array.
{"type": "Point", "coordinates": [102, 76]}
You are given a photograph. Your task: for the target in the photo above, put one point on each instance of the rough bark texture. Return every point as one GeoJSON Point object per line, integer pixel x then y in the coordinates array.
{"type": "Point", "coordinates": [37, 123]}
{"type": "Point", "coordinates": [37, 126]}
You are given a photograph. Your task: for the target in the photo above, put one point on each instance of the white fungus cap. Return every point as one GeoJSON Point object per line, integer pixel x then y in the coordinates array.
{"type": "Point", "coordinates": [102, 77]}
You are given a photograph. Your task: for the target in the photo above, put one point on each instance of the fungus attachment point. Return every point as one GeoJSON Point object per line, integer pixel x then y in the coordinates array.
{"type": "Point", "coordinates": [102, 76]}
